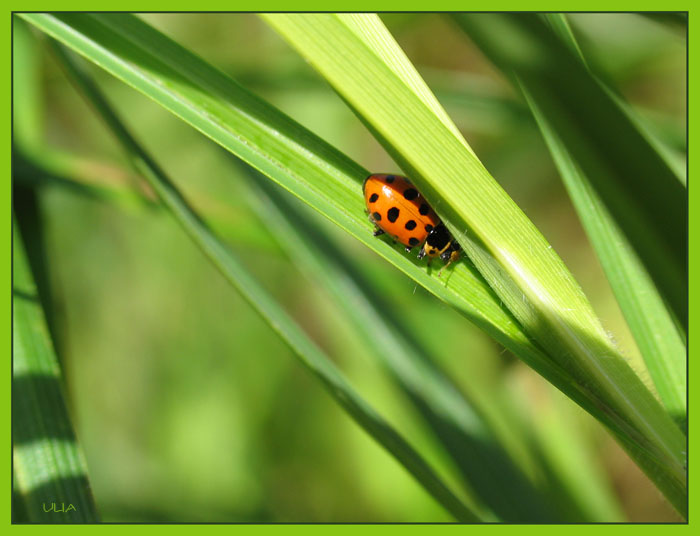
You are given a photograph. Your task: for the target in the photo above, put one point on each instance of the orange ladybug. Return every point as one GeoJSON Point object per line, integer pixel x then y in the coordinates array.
{"type": "Point", "coordinates": [397, 208]}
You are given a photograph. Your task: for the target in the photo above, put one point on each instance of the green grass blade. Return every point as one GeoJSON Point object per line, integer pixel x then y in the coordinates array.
{"type": "Point", "coordinates": [48, 167]}
{"type": "Point", "coordinates": [640, 190]}
{"type": "Point", "coordinates": [331, 184]}
{"type": "Point", "coordinates": [28, 119]}
{"type": "Point", "coordinates": [675, 162]}
{"type": "Point", "coordinates": [580, 484]}
{"type": "Point", "coordinates": [657, 139]}
{"type": "Point", "coordinates": [509, 252]}
{"type": "Point", "coordinates": [660, 343]}
{"type": "Point", "coordinates": [468, 438]}
{"type": "Point", "coordinates": [653, 328]}
{"type": "Point", "coordinates": [284, 151]}
{"type": "Point", "coordinates": [654, 331]}
{"type": "Point", "coordinates": [233, 270]}
{"type": "Point", "coordinates": [678, 20]}
{"type": "Point", "coordinates": [586, 499]}
{"type": "Point", "coordinates": [559, 25]}
{"type": "Point", "coordinates": [26, 102]}
{"type": "Point", "coordinates": [483, 464]}
{"type": "Point", "coordinates": [48, 465]}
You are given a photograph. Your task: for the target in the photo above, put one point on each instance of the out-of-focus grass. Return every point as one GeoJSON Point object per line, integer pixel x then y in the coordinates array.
{"type": "Point", "coordinates": [228, 264]}
{"type": "Point", "coordinates": [657, 335]}
{"type": "Point", "coordinates": [50, 483]}
{"type": "Point", "coordinates": [519, 265]}
{"type": "Point", "coordinates": [121, 272]}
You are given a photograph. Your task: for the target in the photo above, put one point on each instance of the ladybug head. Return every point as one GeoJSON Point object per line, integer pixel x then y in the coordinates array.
{"type": "Point", "coordinates": [430, 251]}
{"type": "Point", "coordinates": [439, 239]}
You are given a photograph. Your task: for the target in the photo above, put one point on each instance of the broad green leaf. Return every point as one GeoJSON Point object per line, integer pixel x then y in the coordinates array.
{"type": "Point", "coordinates": [233, 270]}
{"type": "Point", "coordinates": [49, 470]}
{"type": "Point", "coordinates": [509, 252]}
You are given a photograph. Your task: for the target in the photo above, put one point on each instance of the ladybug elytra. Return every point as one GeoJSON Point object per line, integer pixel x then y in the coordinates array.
{"type": "Point", "coordinates": [397, 208]}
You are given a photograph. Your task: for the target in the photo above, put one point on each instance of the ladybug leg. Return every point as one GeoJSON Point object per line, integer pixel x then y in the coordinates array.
{"type": "Point", "coordinates": [408, 249]}
{"type": "Point", "coordinates": [377, 230]}
{"type": "Point", "coordinates": [448, 257]}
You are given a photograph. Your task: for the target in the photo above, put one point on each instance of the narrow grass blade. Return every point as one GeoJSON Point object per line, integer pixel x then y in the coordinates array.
{"type": "Point", "coordinates": [510, 253]}
{"type": "Point", "coordinates": [51, 168]}
{"type": "Point", "coordinates": [657, 337]}
{"type": "Point", "coordinates": [485, 465]}
{"type": "Point", "coordinates": [284, 151]}
{"type": "Point", "coordinates": [264, 138]}
{"type": "Point", "coordinates": [49, 470]}
{"type": "Point", "coordinates": [27, 130]}
{"type": "Point", "coordinates": [331, 184]}
{"type": "Point", "coordinates": [487, 468]}
{"type": "Point", "coordinates": [654, 331]}
{"type": "Point", "coordinates": [640, 190]}
{"type": "Point", "coordinates": [579, 482]}
{"type": "Point", "coordinates": [675, 161]}
{"type": "Point", "coordinates": [678, 20]}
{"type": "Point", "coordinates": [233, 270]}
{"type": "Point", "coordinates": [26, 102]}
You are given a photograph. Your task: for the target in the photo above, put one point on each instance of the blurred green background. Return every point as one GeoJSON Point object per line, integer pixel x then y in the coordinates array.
{"type": "Point", "coordinates": [187, 405]}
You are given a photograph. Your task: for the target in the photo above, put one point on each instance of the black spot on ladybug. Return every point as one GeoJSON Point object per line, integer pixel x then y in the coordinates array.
{"type": "Point", "coordinates": [413, 241]}
{"type": "Point", "coordinates": [411, 193]}
{"type": "Point", "coordinates": [390, 179]}
{"type": "Point", "coordinates": [410, 225]}
{"type": "Point", "coordinates": [392, 214]}
{"type": "Point", "coordinates": [377, 216]}
{"type": "Point", "coordinates": [424, 209]}
{"type": "Point", "coordinates": [373, 198]}
{"type": "Point", "coordinates": [428, 227]}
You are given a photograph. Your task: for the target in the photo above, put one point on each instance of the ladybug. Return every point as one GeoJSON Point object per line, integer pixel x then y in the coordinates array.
{"type": "Point", "coordinates": [397, 208]}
